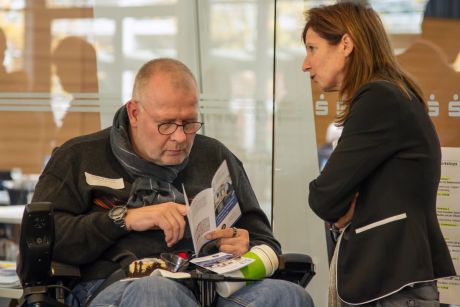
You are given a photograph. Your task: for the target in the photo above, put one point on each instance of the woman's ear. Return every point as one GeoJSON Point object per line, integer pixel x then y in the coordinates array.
{"type": "Point", "coordinates": [347, 44]}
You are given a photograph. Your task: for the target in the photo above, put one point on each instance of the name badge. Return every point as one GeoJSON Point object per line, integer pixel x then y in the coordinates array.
{"type": "Point", "coordinates": [116, 183]}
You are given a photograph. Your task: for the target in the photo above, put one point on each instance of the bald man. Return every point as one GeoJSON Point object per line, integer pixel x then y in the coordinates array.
{"type": "Point", "coordinates": [117, 197]}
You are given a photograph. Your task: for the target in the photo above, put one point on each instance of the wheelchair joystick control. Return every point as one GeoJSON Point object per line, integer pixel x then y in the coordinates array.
{"type": "Point", "coordinates": [37, 238]}
{"type": "Point", "coordinates": [35, 248]}
{"type": "Point", "coordinates": [265, 264]}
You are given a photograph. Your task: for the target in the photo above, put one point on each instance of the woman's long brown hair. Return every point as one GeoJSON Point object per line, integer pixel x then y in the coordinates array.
{"type": "Point", "coordinates": [372, 57]}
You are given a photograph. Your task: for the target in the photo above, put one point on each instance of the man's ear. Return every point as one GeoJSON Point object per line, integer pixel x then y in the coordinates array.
{"type": "Point", "coordinates": [347, 44]}
{"type": "Point", "coordinates": [133, 112]}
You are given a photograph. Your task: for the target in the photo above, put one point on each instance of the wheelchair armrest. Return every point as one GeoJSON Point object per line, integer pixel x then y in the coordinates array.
{"type": "Point", "coordinates": [295, 267]}
{"type": "Point", "coordinates": [59, 270]}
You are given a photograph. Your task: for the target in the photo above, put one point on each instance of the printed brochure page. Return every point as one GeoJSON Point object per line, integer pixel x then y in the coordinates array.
{"type": "Point", "coordinates": [221, 263]}
{"type": "Point", "coordinates": [215, 207]}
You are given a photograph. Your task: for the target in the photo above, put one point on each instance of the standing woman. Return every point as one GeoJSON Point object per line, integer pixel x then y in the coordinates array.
{"type": "Point", "coordinates": [379, 185]}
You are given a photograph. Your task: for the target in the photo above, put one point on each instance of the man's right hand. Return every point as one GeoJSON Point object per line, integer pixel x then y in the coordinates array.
{"type": "Point", "coordinates": [168, 217]}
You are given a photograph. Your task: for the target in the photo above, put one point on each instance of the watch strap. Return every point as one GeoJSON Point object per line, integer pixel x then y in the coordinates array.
{"type": "Point", "coordinates": [117, 214]}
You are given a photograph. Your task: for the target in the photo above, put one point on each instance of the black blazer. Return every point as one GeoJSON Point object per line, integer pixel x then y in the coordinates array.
{"type": "Point", "coordinates": [388, 152]}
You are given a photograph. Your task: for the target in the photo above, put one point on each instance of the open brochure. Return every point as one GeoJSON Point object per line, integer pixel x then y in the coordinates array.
{"type": "Point", "coordinates": [213, 208]}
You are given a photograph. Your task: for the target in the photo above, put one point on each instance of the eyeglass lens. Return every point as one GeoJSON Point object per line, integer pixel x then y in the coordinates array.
{"type": "Point", "coordinates": [169, 128]}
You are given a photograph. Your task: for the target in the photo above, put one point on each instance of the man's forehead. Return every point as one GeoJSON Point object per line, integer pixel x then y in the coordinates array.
{"type": "Point", "coordinates": [176, 79]}
{"type": "Point", "coordinates": [164, 83]}
{"type": "Point", "coordinates": [172, 114]}
{"type": "Point", "coordinates": [172, 105]}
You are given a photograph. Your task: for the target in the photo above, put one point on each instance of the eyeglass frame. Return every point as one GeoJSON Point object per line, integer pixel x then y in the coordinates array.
{"type": "Point", "coordinates": [173, 123]}
{"type": "Point", "coordinates": [179, 125]}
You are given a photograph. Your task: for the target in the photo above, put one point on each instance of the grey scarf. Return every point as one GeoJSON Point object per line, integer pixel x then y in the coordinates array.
{"type": "Point", "coordinates": [152, 183]}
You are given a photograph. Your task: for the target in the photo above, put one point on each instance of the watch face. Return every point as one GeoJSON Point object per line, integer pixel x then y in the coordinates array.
{"type": "Point", "coordinates": [117, 213]}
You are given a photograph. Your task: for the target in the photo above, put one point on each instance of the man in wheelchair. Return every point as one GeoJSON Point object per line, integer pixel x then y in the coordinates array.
{"type": "Point", "coordinates": [117, 197]}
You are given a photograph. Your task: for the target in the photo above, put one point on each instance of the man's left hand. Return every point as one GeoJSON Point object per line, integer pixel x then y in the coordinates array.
{"type": "Point", "coordinates": [231, 240]}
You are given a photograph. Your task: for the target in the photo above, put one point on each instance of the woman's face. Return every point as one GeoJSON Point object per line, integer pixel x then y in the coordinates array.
{"type": "Point", "coordinates": [326, 62]}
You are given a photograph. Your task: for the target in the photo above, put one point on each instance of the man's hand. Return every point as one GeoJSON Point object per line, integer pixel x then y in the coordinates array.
{"type": "Point", "coordinates": [168, 217]}
{"type": "Point", "coordinates": [231, 240]}
{"type": "Point", "coordinates": [345, 219]}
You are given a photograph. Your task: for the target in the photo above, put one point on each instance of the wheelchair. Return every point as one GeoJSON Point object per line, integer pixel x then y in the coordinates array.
{"type": "Point", "coordinates": [44, 281]}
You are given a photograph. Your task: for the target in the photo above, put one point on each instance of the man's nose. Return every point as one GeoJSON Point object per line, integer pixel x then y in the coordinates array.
{"type": "Point", "coordinates": [179, 135]}
{"type": "Point", "coordinates": [306, 64]}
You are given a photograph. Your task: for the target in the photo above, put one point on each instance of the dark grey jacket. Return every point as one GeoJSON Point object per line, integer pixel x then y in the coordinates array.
{"type": "Point", "coordinates": [388, 152]}
{"type": "Point", "coordinates": [85, 236]}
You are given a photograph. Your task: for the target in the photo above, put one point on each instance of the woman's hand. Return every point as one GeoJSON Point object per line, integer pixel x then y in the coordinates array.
{"type": "Point", "coordinates": [345, 219]}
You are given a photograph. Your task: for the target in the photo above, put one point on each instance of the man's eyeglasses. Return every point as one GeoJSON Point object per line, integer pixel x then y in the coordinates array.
{"type": "Point", "coordinates": [170, 128]}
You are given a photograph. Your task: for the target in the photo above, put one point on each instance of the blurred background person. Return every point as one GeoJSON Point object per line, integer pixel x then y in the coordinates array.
{"type": "Point", "coordinates": [333, 133]}
{"type": "Point", "coordinates": [14, 81]}
{"type": "Point", "coordinates": [75, 65]}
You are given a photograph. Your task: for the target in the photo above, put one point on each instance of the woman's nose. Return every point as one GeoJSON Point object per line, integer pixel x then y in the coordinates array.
{"type": "Point", "coordinates": [306, 65]}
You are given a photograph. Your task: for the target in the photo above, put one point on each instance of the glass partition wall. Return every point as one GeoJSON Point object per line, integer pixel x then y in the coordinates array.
{"type": "Point", "coordinates": [69, 64]}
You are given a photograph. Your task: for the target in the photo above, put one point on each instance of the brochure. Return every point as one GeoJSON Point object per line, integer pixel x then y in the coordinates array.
{"type": "Point", "coordinates": [221, 263]}
{"type": "Point", "coordinates": [213, 208]}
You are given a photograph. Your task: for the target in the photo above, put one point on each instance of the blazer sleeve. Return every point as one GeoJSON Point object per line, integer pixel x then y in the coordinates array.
{"type": "Point", "coordinates": [369, 137]}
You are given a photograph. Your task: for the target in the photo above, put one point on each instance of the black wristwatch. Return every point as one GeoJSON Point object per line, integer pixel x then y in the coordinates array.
{"type": "Point", "coordinates": [117, 215]}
